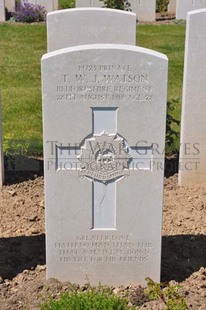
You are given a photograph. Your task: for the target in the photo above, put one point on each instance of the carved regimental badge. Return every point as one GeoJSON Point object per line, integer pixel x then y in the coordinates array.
{"type": "Point", "coordinates": [104, 157]}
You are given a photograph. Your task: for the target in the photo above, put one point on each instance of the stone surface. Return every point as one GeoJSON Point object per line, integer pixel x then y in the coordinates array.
{"type": "Point", "coordinates": [72, 27]}
{"type": "Point", "coordinates": [10, 5]}
{"type": "Point", "coordinates": [1, 152]}
{"type": "Point", "coordinates": [49, 5]}
{"type": "Point", "coordinates": [193, 125]}
{"type": "Point", "coordinates": [171, 6]}
{"type": "Point", "coordinates": [144, 9]}
{"type": "Point", "coordinates": [89, 3]}
{"type": "Point", "coordinates": [104, 110]}
{"type": "Point", "coordinates": [184, 6]}
{"type": "Point", "coordinates": [2, 11]}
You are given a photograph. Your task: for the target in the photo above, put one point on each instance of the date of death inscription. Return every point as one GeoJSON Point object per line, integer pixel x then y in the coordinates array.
{"type": "Point", "coordinates": [104, 82]}
{"type": "Point", "coordinates": [103, 249]}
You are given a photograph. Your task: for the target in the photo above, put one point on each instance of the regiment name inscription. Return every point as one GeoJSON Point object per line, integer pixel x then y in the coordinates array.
{"type": "Point", "coordinates": [104, 82]}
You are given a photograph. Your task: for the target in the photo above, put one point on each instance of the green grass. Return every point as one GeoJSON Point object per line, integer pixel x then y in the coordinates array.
{"type": "Point", "coordinates": [93, 299]}
{"type": "Point", "coordinates": [64, 4]}
{"type": "Point", "coordinates": [21, 48]}
{"type": "Point", "coordinates": [169, 40]}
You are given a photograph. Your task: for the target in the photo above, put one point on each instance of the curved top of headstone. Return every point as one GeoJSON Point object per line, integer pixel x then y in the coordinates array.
{"type": "Point", "coordinates": [125, 47]}
{"type": "Point", "coordinates": [70, 27]}
{"type": "Point", "coordinates": [195, 12]}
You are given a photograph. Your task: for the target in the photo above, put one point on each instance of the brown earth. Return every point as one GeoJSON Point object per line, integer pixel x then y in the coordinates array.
{"type": "Point", "coordinates": [22, 245]}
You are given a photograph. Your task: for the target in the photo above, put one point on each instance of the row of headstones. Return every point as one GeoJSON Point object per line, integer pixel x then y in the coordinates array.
{"type": "Point", "coordinates": [144, 9]}
{"type": "Point", "coordinates": [90, 31]}
{"type": "Point", "coordinates": [104, 103]}
{"type": "Point", "coordinates": [111, 100]}
{"type": "Point", "coordinates": [104, 107]}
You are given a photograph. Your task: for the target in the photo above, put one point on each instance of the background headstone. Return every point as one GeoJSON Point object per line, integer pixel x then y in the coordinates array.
{"type": "Point", "coordinates": [144, 9]}
{"type": "Point", "coordinates": [171, 6]}
{"type": "Point", "coordinates": [104, 108]}
{"type": "Point", "coordinates": [72, 27]}
{"type": "Point", "coordinates": [1, 152]}
{"type": "Point", "coordinates": [49, 5]}
{"type": "Point", "coordinates": [192, 167]}
{"type": "Point", "coordinates": [10, 5]}
{"type": "Point", "coordinates": [184, 6]}
{"type": "Point", "coordinates": [2, 11]}
{"type": "Point", "coordinates": [89, 3]}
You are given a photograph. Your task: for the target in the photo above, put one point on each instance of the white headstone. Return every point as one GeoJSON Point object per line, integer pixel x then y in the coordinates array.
{"type": "Point", "coordinates": [1, 152]}
{"type": "Point", "coordinates": [171, 6]}
{"type": "Point", "coordinates": [184, 6]}
{"type": "Point", "coordinates": [49, 5]}
{"type": "Point", "coordinates": [104, 108]}
{"type": "Point", "coordinates": [2, 11]}
{"type": "Point", "coordinates": [144, 9]}
{"type": "Point", "coordinates": [72, 27]}
{"type": "Point", "coordinates": [192, 168]}
{"type": "Point", "coordinates": [10, 5]}
{"type": "Point", "coordinates": [89, 3]}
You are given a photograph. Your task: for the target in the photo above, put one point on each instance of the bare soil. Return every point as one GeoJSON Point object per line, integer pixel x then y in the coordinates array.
{"type": "Point", "coordinates": [22, 245]}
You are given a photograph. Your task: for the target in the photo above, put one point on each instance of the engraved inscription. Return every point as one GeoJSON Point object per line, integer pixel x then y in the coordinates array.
{"type": "Point", "coordinates": [104, 82]}
{"type": "Point", "coordinates": [103, 248]}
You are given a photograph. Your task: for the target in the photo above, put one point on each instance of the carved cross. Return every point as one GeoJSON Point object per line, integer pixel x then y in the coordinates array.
{"type": "Point", "coordinates": [104, 159]}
